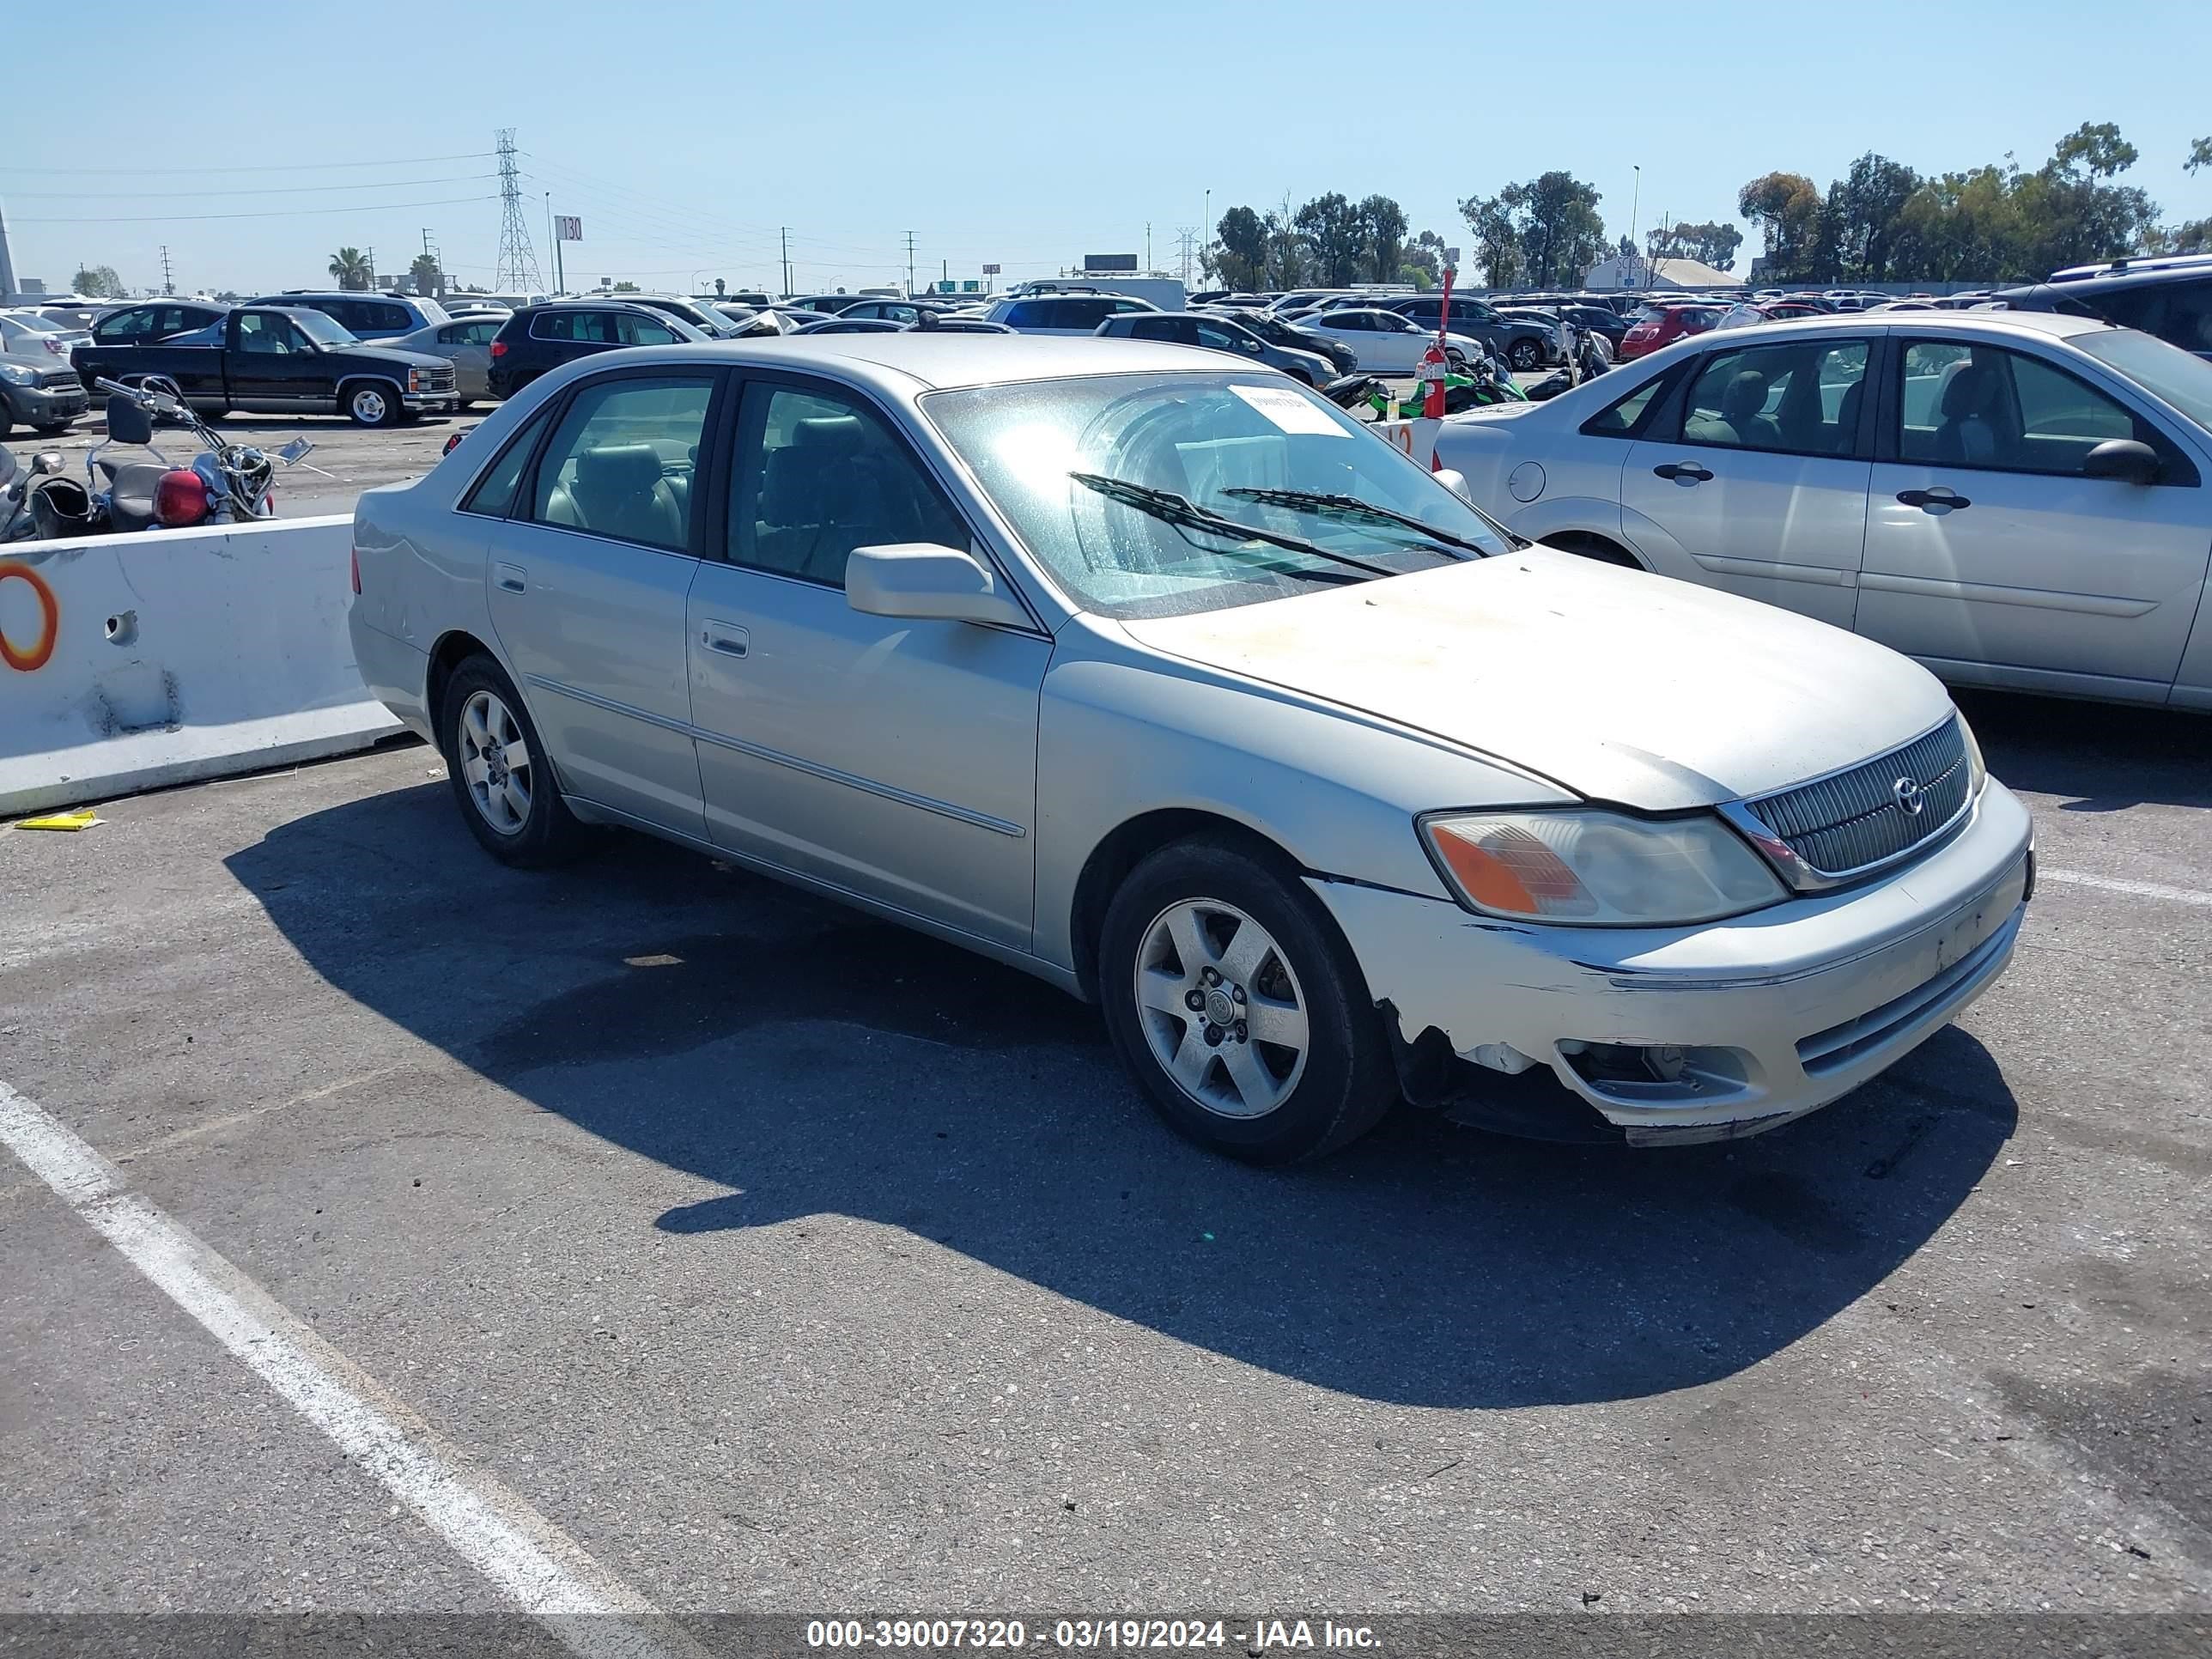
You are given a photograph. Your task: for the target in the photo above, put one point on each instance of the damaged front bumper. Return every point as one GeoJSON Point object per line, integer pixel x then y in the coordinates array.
{"type": "Point", "coordinates": [1728, 1029]}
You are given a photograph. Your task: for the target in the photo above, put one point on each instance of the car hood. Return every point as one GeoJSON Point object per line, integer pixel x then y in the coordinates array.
{"type": "Point", "coordinates": [398, 356]}
{"type": "Point", "coordinates": [1618, 685]}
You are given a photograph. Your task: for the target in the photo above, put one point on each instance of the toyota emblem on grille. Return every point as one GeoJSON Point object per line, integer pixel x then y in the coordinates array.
{"type": "Point", "coordinates": [1909, 796]}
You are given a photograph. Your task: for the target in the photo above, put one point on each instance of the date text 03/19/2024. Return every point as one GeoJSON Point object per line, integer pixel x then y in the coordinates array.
{"type": "Point", "coordinates": [1256, 1636]}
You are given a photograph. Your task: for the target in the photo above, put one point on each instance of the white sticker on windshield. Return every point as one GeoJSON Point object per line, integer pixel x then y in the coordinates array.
{"type": "Point", "coordinates": [1288, 411]}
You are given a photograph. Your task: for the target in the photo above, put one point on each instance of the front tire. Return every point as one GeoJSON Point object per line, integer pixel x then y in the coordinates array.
{"type": "Point", "coordinates": [1283, 1057]}
{"type": "Point", "coordinates": [371, 403]}
{"type": "Point", "coordinates": [1524, 355]}
{"type": "Point", "coordinates": [499, 772]}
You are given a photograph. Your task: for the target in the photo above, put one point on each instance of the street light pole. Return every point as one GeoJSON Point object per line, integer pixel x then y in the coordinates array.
{"type": "Point", "coordinates": [1635, 201]}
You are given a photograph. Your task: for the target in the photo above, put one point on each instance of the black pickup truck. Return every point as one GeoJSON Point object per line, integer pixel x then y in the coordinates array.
{"type": "Point", "coordinates": [281, 360]}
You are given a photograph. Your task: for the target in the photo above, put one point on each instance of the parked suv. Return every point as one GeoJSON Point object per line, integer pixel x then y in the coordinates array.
{"type": "Point", "coordinates": [1525, 345]}
{"type": "Point", "coordinates": [1065, 313]}
{"type": "Point", "coordinates": [2172, 302]}
{"type": "Point", "coordinates": [538, 339]}
{"type": "Point", "coordinates": [1219, 334]}
{"type": "Point", "coordinates": [157, 320]}
{"type": "Point", "coordinates": [364, 316]}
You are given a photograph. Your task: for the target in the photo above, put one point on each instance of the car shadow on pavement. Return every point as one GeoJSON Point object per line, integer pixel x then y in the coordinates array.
{"type": "Point", "coordinates": [2107, 757]}
{"type": "Point", "coordinates": [805, 1059]}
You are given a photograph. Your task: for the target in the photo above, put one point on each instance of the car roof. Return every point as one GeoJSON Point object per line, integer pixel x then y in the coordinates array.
{"type": "Point", "coordinates": [2057, 324]}
{"type": "Point", "coordinates": [904, 362]}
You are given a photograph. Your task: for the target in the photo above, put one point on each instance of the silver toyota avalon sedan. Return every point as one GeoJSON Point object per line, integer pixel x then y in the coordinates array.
{"type": "Point", "coordinates": [1161, 679]}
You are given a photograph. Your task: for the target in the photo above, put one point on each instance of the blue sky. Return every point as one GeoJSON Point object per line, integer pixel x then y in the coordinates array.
{"type": "Point", "coordinates": [684, 135]}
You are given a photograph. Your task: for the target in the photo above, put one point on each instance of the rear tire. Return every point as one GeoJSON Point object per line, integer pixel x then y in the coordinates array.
{"type": "Point", "coordinates": [501, 776]}
{"type": "Point", "coordinates": [1229, 925]}
{"type": "Point", "coordinates": [370, 403]}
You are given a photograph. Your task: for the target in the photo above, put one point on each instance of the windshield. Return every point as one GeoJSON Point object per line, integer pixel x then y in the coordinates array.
{"type": "Point", "coordinates": [321, 329]}
{"type": "Point", "coordinates": [1205, 438]}
{"type": "Point", "coordinates": [2166, 371]}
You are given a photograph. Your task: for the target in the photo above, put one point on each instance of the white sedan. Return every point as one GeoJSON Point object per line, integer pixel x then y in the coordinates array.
{"type": "Point", "coordinates": [1386, 343]}
{"type": "Point", "coordinates": [2017, 499]}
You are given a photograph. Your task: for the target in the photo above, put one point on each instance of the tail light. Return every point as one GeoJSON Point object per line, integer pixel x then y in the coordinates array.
{"type": "Point", "coordinates": [180, 498]}
{"type": "Point", "coordinates": [353, 558]}
{"type": "Point", "coordinates": [499, 348]}
{"type": "Point", "coordinates": [451, 442]}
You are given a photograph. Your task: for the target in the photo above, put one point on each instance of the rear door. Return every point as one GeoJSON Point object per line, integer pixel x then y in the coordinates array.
{"type": "Point", "coordinates": [1760, 478]}
{"type": "Point", "coordinates": [1990, 553]}
{"type": "Point", "coordinates": [892, 758]}
{"type": "Point", "coordinates": [589, 580]}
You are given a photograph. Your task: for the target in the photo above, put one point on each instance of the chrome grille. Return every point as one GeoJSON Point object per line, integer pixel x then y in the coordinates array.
{"type": "Point", "coordinates": [1856, 819]}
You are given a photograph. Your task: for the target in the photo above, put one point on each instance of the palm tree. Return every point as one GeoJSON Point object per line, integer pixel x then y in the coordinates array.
{"type": "Point", "coordinates": [351, 266]}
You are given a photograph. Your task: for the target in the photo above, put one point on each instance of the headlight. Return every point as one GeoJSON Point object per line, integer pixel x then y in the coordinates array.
{"type": "Point", "coordinates": [414, 379]}
{"type": "Point", "coordinates": [1598, 869]}
{"type": "Point", "coordinates": [1978, 773]}
{"type": "Point", "coordinates": [16, 375]}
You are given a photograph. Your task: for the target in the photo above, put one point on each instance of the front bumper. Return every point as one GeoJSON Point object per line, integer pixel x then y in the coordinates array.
{"type": "Point", "coordinates": [1776, 1013]}
{"type": "Point", "coordinates": [40, 405]}
{"type": "Point", "coordinates": [430, 403]}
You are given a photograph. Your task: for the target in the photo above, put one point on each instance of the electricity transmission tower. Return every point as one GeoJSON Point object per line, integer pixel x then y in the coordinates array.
{"type": "Point", "coordinates": [517, 263]}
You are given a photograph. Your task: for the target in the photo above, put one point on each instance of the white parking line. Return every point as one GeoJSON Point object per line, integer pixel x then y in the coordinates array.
{"type": "Point", "coordinates": [2138, 888]}
{"type": "Point", "coordinates": [546, 1573]}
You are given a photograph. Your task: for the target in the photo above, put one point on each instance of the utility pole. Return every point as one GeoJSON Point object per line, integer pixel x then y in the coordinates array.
{"type": "Point", "coordinates": [517, 260]}
{"type": "Point", "coordinates": [1148, 247]}
{"type": "Point", "coordinates": [909, 263]}
{"type": "Point", "coordinates": [786, 262]}
{"type": "Point", "coordinates": [371, 282]}
{"type": "Point", "coordinates": [168, 285]}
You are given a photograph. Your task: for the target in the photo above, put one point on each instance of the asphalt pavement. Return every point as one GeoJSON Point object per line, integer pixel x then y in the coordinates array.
{"type": "Point", "coordinates": [735, 1252]}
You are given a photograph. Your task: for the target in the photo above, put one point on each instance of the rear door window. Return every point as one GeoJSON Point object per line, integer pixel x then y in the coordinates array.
{"type": "Point", "coordinates": [1796, 399]}
{"type": "Point", "coordinates": [620, 463]}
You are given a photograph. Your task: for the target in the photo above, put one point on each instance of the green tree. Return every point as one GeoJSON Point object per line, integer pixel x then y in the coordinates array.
{"type": "Point", "coordinates": [1497, 240]}
{"type": "Point", "coordinates": [1238, 258]}
{"type": "Point", "coordinates": [99, 283]}
{"type": "Point", "coordinates": [1713, 243]}
{"type": "Point", "coordinates": [624, 287]}
{"type": "Point", "coordinates": [425, 272]}
{"type": "Point", "coordinates": [1424, 263]}
{"type": "Point", "coordinates": [1382, 227]}
{"type": "Point", "coordinates": [1861, 219]}
{"type": "Point", "coordinates": [2200, 155]}
{"type": "Point", "coordinates": [1335, 236]}
{"type": "Point", "coordinates": [349, 267]}
{"type": "Point", "coordinates": [1555, 216]}
{"type": "Point", "coordinates": [1786, 207]}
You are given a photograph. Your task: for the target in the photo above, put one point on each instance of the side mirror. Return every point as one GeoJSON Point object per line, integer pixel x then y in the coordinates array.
{"type": "Point", "coordinates": [2124, 460]}
{"type": "Point", "coordinates": [926, 582]}
{"type": "Point", "coordinates": [1454, 481]}
{"type": "Point", "coordinates": [127, 423]}
{"type": "Point", "coordinates": [48, 463]}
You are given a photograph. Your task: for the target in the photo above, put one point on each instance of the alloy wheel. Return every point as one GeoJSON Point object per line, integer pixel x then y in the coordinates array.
{"type": "Point", "coordinates": [496, 763]}
{"type": "Point", "coordinates": [1221, 1008]}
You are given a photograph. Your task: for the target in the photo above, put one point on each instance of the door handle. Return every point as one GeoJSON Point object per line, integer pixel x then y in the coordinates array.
{"type": "Point", "coordinates": [1937, 501]}
{"type": "Point", "coordinates": [1681, 472]}
{"type": "Point", "coordinates": [511, 577]}
{"type": "Point", "coordinates": [727, 638]}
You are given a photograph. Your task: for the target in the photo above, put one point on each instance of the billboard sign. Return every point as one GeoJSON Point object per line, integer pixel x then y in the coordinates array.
{"type": "Point", "coordinates": [568, 229]}
{"type": "Point", "coordinates": [1098, 262]}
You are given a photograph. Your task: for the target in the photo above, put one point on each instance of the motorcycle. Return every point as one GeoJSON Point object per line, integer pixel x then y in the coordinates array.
{"type": "Point", "coordinates": [225, 482]}
{"type": "Point", "coordinates": [1590, 358]}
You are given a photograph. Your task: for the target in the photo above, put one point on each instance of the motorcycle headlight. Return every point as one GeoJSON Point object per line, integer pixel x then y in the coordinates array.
{"type": "Point", "coordinates": [1597, 868]}
{"type": "Point", "coordinates": [16, 375]}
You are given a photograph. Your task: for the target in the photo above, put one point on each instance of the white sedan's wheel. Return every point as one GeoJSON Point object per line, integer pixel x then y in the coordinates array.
{"type": "Point", "coordinates": [1237, 1004]}
{"type": "Point", "coordinates": [1221, 1007]}
{"type": "Point", "coordinates": [496, 763]}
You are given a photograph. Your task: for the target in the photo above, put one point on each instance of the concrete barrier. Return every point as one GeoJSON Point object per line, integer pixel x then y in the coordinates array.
{"type": "Point", "coordinates": [1417, 437]}
{"type": "Point", "coordinates": [130, 662]}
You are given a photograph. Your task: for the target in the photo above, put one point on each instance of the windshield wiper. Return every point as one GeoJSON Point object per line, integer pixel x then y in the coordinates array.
{"type": "Point", "coordinates": [1352, 507]}
{"type": "Point", "coordinates": [1180, 511]}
